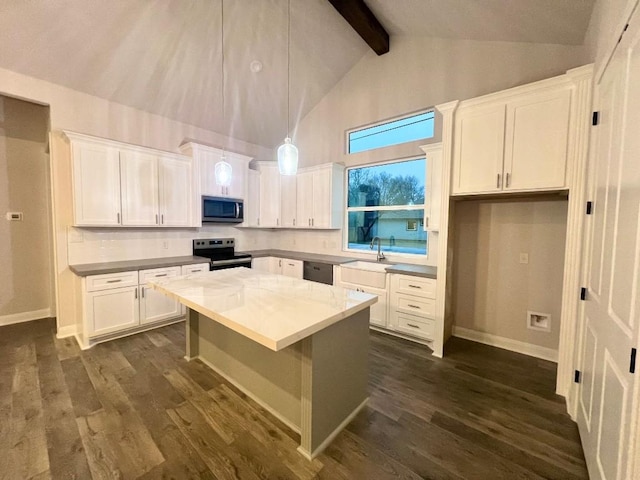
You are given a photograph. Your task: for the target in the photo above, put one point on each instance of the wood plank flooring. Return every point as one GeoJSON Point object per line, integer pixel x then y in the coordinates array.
{"type": "Point", "coordinates": [134, 408]}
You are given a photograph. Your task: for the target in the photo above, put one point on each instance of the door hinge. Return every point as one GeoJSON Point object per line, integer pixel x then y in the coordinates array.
{"type": "Point", "coordinates": [595, 118]}
{"type": "Point", "coordinates": [589, 208]}
{"type": "Point", "coordinates": [576, 376]}
{"type": "Point", "coordinates": [583, 293]}
{"type": "Point", "coordinates": [632, 363]}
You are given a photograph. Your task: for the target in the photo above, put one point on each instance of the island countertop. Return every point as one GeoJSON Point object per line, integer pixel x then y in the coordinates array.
{"type": "Point", "coordinates": [272, 310]}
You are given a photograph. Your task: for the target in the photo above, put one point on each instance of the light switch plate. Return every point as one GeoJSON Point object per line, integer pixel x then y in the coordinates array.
{"type": "Point", "coordinates": [524, 258]}
{"type": "Point", "coordinates": [14, 216]}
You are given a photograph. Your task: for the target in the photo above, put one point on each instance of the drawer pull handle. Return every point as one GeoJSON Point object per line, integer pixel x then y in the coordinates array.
{"type": "Point", "coordinates": [161, 275]}
{"type": "Point", "coordinates": [413, 306]}
{"type": "Point", "coordinates": [194, 271]}
{"type": "Point", "coordinates": [412, 325]}
{"type": "Point", "coordinates": [114, 281]}
{"type": "Point", "coordinates": [415, 286]}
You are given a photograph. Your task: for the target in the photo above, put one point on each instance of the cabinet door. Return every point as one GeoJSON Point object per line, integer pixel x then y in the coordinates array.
{"type": "Point", "coordinates": [536, 141]}
{"type": "Point", "coordinates": [207, 162]}
{"type": "Point", "coordinates": [175, 193]}
{"type": "Point", "coordinates": [96, 184]}
{"type": "Point", "coordinates": [239, 168]}
{"type": "Point", "coordinates": [478, 149]}
{"type": "Point", "coordinates": [261, 264]}
{"type": "Point", "coordinates": [288, 206]}
{"type": "Point", "coordinates": [269, 197]}
{"type": "Point", "coordinates": [321, 205]}
{"type": "Point", "coordinates": [252, 200]}
{"type": "Point", "coordinates": [139, 183]}
{"type": "Point", "coordinates": [112, 310]}
{"type": "Point", "coordinates": [156, 306]}
{"type": "Point", "coordinates": [292, 268]}
{"type": "Point", "coordinates": [377, 311]}
{"type": "Point", "coordinates": [304, 186]}
{"type": "Point", "coordinates": [275, 265]}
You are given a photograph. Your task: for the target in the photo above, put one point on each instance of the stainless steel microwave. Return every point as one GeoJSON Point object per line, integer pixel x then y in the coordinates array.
{"type": "Point", "coordinates": [222, 210]}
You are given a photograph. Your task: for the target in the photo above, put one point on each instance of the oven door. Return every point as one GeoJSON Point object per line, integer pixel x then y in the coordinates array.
{"type": "Point", "coordinates": [230, 263]}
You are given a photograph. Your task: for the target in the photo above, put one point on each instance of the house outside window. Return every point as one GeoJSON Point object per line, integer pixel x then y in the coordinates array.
{"type": "Point", "coordinates": [387, 200]}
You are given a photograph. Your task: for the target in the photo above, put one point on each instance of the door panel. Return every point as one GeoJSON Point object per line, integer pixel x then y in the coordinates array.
{"type": "Point", "coordinates": [176, 198]}
{"type": "Point", "coordinates": [608, 410]}
{"type": "Point", "coordinates": [139, 172]}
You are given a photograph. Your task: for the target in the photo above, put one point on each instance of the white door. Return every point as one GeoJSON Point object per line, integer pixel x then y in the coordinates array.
{"type": "Point", "coordinates": [156, 306]}
{"type": "Point", "coordinates": [238, 187]}
{"type": "Point", "coordinates": [536, 141]}
{"type": "Point", "coordinates": [96, 184]}
{"type": "Point", "coordinates": [139, 183]}
{"type": "Point", "coordinates": [269, 197]}
{"type": "Point", "coordinates": [321, 198]}
{"type": "Point", "coordinates": [607, 407]}
{"type": "Point", "coordinates": [175, 193]}
{"type": "Point", "coordinates": [261, 264]}
{"type": "Point", "coordinates": [304, 198]}
{"type": "Point", "coordinates": [478, 149]}
{"type": "Point", "coordinates": [288, 206]}
{"type": "Point", "coordinates": [112, 310]}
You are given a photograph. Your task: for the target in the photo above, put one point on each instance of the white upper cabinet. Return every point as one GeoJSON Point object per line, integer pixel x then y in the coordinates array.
{"type": "Point", "coordinates": [175, 180]}
{"type": "Point", "coordinates": [479, 149]}
{"type": "Point", "coordinates": [320, 197]}
{"type": "Point", "coordinates": [288, 198]}
{"type": "Point", "coordinates": [252, 200]}
{"type": "Point", "coordinates": [269, 195]}
{"type": "Point", "coordinates": [120, 184]}
{"type": "Point", "coordinates": [537, 133]}
{"type": "Point", "coordinates": [433, 186]}
{"type": "Point", "coordinates": [139, 183]}
{"type": "Point", "coordinates": [513, 141]}
{"type": "Point", "coordinates": [96, 183]}
{"type": "Point", "coordinates": [206, 158]}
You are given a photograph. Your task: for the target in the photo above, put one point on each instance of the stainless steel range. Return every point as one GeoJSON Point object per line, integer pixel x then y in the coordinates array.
{"type": "Point", "coordinates": [221, 253]}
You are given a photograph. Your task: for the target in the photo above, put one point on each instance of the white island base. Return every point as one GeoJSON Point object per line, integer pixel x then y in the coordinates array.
{"type": "Point", "coordinates": [315, 386]}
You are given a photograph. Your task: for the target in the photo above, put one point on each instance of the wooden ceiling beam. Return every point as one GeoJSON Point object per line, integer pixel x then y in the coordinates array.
{"type": "Point", "coordinates": [364, 22]}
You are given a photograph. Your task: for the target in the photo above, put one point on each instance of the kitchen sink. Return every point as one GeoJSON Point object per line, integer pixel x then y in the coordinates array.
{"type": "Point", "coordinates": [369, 274]}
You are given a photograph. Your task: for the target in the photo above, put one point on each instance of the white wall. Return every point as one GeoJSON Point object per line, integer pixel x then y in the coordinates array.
{"type": "Point", "coordinates": [493, 290]}
{"type": "Point", "coordinates": [607, 19]}
{"type": "Point", "coordinates": [25, 246]}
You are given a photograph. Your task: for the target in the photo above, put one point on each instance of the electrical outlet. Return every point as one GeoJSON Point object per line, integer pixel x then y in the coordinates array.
{"type": "Point", "coordinates": [524, 258]}
{"type": "Point", "coordinates": [165, 245]}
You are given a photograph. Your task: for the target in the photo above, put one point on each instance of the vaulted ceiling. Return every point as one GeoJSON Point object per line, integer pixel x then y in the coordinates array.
{"type": "Point", "coordinates": [164, 56]}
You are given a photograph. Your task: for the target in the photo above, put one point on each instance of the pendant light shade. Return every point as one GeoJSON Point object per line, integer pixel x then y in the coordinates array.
{"type": "Point", "coordinates": [223, 172]}
{"type": "Point", "coordinates": [288, 152]}
{"type": "Point", "coordinates": [287, 158]}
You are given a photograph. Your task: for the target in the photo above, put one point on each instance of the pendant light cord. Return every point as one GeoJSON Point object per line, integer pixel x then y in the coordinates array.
{"type": "Point", "coordinates": [224, 118]}
{"type": "Point", "coordinates": [288, 64]}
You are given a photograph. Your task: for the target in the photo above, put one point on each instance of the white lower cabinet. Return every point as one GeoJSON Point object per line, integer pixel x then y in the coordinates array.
{"type": "Point", "coordinates": [280, 266]}
{"type": "Point", "coordinates": [377, 311]}
{"type": "Point", "coordinates": [412, 305]}
{"type": "Point", "coordinates": [118, 302]}
{"type": "Point", "coordinates": [292, 268]}
{"type": "Point", "coordinates": [154, 305]}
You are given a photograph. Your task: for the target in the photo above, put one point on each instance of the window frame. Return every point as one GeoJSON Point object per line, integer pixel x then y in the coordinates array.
{"type": "Point", "coordinates": [389, 120]}
{"type": "Point", "coordinates": [420, 221]}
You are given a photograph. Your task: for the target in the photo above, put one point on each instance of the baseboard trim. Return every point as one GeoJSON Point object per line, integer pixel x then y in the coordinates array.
{"type": "Point", "coordinates": [506, 343]}
{"type": "Point", "coordinates": [66, 331]}
{"type": "Point", "coordinates": [25, 316]}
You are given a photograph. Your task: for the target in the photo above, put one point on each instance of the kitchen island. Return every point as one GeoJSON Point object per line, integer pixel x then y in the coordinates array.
{"type": "Point", "coordinates": [299, 348]}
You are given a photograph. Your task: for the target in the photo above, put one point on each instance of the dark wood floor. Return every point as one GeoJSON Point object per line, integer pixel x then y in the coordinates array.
{"type": "Point", "coordinates": [134, 408]}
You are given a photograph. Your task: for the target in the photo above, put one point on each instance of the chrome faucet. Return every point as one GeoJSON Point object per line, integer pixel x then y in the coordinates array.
{"type": "Point", "coordinates": [380, 255]}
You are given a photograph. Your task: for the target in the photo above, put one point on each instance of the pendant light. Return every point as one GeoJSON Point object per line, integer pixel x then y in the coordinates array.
{"type": "Point", "coordinates": [223, 170]}
{"type": "Point", "coordinates": [288, 152]}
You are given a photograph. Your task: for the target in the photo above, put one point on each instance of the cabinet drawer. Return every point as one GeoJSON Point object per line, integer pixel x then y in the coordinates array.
{"type": "Point", "coordinates": [419, 327]}
{"type": "Point", "coordinates": [108, 281]}
{"type": "Point", "coordinates": [422, 307]}
{"type": "Point", "coordinates": [197, 268]}
{"type": "Point", "coordinates": [158, 274]}
{"type": "Point", "coordinates": [422, 287]}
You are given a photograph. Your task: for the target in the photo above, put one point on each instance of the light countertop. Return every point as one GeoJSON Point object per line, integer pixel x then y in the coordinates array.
{"type": "Point", "coordinates": [273, 310]}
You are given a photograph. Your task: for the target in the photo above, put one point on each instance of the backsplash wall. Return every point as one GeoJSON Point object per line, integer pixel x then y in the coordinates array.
{"type": "Point", "coordinates": [107, 245]}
